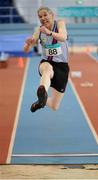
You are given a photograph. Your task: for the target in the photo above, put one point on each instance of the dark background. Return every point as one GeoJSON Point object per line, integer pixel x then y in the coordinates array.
{"type": "Point", "coordinates": [6, 3]}
{"type": "Point", "coordinates": [5, 12]}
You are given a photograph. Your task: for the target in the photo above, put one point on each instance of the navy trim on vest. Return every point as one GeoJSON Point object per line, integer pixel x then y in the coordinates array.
{"type": "Point", "coordinates": [55, 29]}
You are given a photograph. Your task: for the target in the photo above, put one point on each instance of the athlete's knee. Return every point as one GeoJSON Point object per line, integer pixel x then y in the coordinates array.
{"type": "Point", "coordinates": [47, 69]}
{"type": "Point", "coordinates": [55, 107]}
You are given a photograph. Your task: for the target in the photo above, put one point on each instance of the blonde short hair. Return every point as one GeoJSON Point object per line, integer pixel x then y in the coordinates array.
{"type": "Point", "coordinates": [45, 8]}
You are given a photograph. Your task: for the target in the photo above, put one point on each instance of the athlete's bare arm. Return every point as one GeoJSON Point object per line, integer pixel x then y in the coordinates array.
{"type": "Point", "coordinates": [31, 41]}
{"type": "Point", "coordinates": [62, 32]}
{"type": "Point", "coordinates": [61, 35]}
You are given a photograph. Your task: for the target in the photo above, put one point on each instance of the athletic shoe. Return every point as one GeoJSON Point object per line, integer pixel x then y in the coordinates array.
{"type": "Point", "coordinates": [42, 99]}
{"type": "Point", "coordinates": [35, 106]}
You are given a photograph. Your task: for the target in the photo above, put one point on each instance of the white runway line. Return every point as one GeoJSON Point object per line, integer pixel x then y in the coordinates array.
{"type": "Point", "coordinates": [17, 114]}
{"type": "Point", "coordinates": [57, 155]}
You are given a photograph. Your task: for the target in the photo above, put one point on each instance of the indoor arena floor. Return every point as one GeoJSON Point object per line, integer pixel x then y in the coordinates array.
{"type": "Point", "coordinates": [66, 136]}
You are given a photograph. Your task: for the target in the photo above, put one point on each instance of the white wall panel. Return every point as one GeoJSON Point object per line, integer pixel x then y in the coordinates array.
{"type": "Point", "coordinates": [28, 8]}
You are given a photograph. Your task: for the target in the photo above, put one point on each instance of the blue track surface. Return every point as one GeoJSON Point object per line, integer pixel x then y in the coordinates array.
{"type": "Point", "coordinates": [46, 131]}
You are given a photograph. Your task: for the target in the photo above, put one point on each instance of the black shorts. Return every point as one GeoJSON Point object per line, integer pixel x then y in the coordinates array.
{"type": "Point", "coordinates": [60, 78]}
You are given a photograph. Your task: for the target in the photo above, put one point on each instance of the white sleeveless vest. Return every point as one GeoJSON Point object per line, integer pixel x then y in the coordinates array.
{"type": "Point", "coordinates": [53, 50]}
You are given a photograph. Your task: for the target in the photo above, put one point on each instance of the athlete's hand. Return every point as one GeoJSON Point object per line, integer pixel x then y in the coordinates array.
{"type": "Point", "coordinates": [28, 44]}
{"type": "Point", "coordinates": [44, 30]}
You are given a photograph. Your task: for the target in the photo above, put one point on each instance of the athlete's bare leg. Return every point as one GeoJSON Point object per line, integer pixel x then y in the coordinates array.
{"type": "Point", "coordinates": [55, 99]}
{"type": "Point", "coordinates": [47, 73]}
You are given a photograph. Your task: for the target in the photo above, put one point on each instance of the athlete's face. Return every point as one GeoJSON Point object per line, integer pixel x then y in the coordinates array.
{"type": "Point", "coordinates": [46, 18]}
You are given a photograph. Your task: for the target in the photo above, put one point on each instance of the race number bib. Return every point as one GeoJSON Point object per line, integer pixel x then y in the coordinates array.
{"type": "Point", "coordinates": [53, 50]}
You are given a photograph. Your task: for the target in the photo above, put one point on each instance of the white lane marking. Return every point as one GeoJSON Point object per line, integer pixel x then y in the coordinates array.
{"type": "Point", "coordinates": [17, 113]}
{"type": "Point", "coordinates": [84, 112]}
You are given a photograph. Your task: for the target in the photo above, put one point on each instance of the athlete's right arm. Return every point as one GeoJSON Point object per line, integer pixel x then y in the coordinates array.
{"type": "Point", "coordinates": [31, 41]}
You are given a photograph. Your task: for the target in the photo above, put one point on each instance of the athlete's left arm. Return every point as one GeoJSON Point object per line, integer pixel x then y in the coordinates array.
{"type": "Point", "coordinates": [61, 35]}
